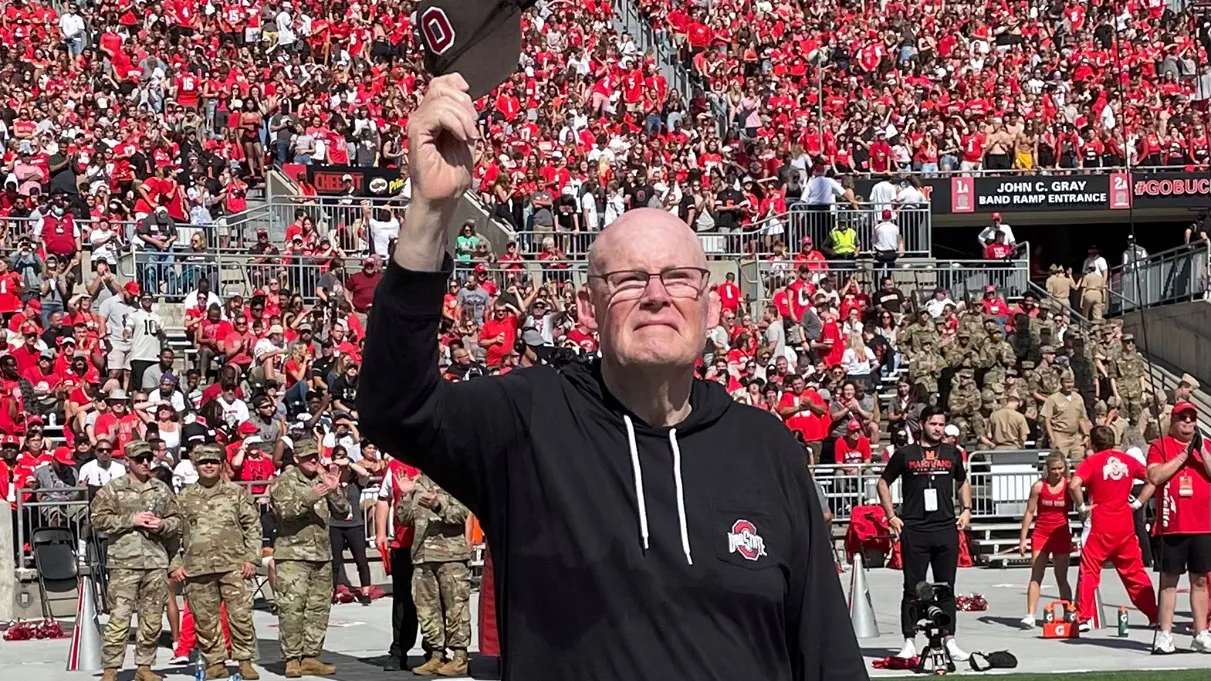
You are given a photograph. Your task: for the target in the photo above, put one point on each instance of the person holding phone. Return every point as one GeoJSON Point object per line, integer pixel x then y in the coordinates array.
{"type": "Point", "coordinates": [1179, 464]}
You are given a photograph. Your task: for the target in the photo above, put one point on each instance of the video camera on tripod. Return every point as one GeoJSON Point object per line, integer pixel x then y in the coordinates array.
{"type": "Point", "coordinates": [934, 622]}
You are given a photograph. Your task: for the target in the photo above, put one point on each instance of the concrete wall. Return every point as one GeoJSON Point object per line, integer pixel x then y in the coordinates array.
{"type": "Point", "coordinates": [1177, 334]}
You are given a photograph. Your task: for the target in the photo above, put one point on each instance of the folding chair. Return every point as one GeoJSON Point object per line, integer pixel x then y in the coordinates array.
{"type": "Point", "coordinates": [262, 587]}
{"type": "Point", "coordinates": [55, 559]}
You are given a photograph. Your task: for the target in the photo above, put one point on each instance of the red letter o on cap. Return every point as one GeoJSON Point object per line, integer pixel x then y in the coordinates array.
{"type": "Point", "coordinates": [435, 26]}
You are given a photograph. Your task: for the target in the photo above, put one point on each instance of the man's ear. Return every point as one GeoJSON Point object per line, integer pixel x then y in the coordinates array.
{"type": "Point", "coordinates": [584, 309]}
{"type": "Point", "coordinates": [713, 309]}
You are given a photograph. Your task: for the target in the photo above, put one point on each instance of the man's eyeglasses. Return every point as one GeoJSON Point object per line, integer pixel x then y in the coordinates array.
{"type": "Point", "coordinates": [680, 282]}
{"type": "Point", "coordinates": [104, 450]}
{"type": "Point", "coordinates": [142, 458]}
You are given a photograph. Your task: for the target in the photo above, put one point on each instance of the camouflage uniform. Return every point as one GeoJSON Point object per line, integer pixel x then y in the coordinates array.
{"type": "Point", "coordinates": [137, 561]}
{"type": "Point", "coordinates": [979, 422]}
{"type": "Point", "coordinates": [924, 369]}
{"type": "Point", "coordinates": [963, 403]}
{"type": "Point", "coordinates": [1129, 371]}
{"type": "Point", "coordinates": [221, 530]}
{"type": "Point", "coordinates": [1084, 372]}
{"type": "Point", "coordinates": [441, 581]}
{"type": "Point", "coordinates": [994, 356]}
{"type": "Point", "coordinates": [917, 333]}
{"type": "Point", "coordinates": [961, 355]}
{"type": "Point", "coordinates": [303, 556]}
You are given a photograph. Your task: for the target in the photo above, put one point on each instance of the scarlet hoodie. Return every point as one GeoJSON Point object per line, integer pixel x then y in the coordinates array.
{"type": "Point", "coordinates": [622, 550]}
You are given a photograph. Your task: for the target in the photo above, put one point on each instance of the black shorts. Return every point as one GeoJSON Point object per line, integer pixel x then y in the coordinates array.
{"type": "Point", "coordinates": [1182, 553]}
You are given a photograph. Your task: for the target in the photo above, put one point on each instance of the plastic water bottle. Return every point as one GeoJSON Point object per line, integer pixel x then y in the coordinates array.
{"type": "Point", "coordinates": [199, 670]}
{"type": "Point", "coordinates": [236, 677]}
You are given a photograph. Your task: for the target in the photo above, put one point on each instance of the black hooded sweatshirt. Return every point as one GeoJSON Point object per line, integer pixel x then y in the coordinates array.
{"type": "Point", "coordinates": [622, 550]}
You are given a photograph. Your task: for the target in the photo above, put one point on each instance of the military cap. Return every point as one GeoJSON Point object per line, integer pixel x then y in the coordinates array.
{"type": "Point", "coordinates": [1100, 407]}
{"type": "Point", "coordinates": [1067, 375]}
{"type": "Point", "coordinates": [967, 373]}
{"type": "Point", "coordinates": [1011, 372]}
{"type": "Point", "coordinates": [208, 452]}
{"type": "Point", "coordinates": [1128, 338]}
{"type": "Point", "coordinates": [1078, 337]}
{"type": "Point", "coordinates": [1047, 350]}
{"type": "Point", "coordinates": [136, 448]}
{"type": "Point", "coordinates": [1115, 323]}
{"type": "Point", "coordinates": [964, 333]}
{"type": "Point", "coordinates": [997, 330]}
{"type": "Point", "coordinates": [1027, 364]}
{"type": "Point", "coordinates": [1112, 402]}
{"type": "Point", "coordinates": [988, 395]}
{"type": "Point", "coordinates": [305, 448]}
{"type": "Point", "coordinates": [927, 341]}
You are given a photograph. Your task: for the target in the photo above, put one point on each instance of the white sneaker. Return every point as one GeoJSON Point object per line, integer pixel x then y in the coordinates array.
{"type": "Point", "coordinates": [1202, 642]}
{"type": "Point", "coordinates": [1085, 627]}
{"type": "Point", "coordinates": [1028, 622]}
{"type": "Point", "coordinates": [1163, 644]}
{"type": "Point", "coordinates": [956, 653]}
{"type": "Point", "coordinates": [179, 660]}
{"type": "Point", "coordinates": [909, 650]}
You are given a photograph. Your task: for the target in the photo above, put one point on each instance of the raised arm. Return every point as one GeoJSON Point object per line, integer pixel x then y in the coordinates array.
{"type": "Point", "coordinates": [404, 405]}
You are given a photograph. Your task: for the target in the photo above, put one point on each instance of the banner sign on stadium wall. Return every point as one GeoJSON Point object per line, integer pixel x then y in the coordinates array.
{"type": "Point", "coordinates": [1055, 193]}
{"type": "Point", "coordinates": [367, 181]}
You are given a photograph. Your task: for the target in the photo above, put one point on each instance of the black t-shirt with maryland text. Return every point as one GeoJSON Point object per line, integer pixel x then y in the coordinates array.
{"type": "Point", "coordinates": [921, 468]}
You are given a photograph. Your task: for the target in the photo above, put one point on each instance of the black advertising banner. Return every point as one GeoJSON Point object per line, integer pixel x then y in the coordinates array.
{"type": "Point", "coordinates": [1079, 191]}
{"type": "Point", "coordinates": [367, 181]}
{"type": "Point", "coordinates": [1172, 190]}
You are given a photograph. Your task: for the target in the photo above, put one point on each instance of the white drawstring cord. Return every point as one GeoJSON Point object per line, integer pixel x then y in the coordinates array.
{"type": "Point", "coordinates": [685, 534]}
{"type": "Point", "coordinates": [638, 476]}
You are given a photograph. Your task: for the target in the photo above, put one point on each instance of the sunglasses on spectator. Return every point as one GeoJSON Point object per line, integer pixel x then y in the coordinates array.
{"type": "Point", "coordinates": [142, 458]}
{"type": "Point", "coordinates": [101, 450]}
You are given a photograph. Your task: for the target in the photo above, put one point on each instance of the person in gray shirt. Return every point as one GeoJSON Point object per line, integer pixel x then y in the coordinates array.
{"type": "Point", "coordinates": [473, 298]}
{"type": "Point", "coordinates": [775, 332]}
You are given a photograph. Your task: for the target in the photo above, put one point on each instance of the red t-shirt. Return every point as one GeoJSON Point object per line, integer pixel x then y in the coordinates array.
{"type": "Point", "coordinates": [1108, 476]}
{"type": "Point", "coordinates": [729, 296]}
{"type": "Point", "coordinates": [1185, 500]}
{"type": "Point", "coordinates": [403, 533]}
{"type": "Point", "coordinates": [495, 354]}
{"type": "Point", "coordinates": [260, 468]}
{"type": "Point", "coordinates": [10, 284]}
{"type": "Point", "coordinates": [858, 452]}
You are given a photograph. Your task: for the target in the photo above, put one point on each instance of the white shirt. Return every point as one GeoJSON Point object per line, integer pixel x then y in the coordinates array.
{"type": "Point", "coordinates": [184, 474]}
{"type": "Point", "coordinates": [234, 413]}
{"type": "Point", "coordinates": [911, 196]}
{"type": "Point", "coordinates": [92, 475]}
{"type": "Point", "coordinates": [191, 299]}
{"type": "Point", "coordinates": [381, 234]}
{"type": "Point", "coordinates": [989, 234]}
{"type": "Point", "coordinates": [822, 191]}
{"type": "Point", "coordinates": [1098, 263]}
{"type": "Point", "coordinates": [855, 365]}
{"type": "Point", "coordinates": [887, 236]}
{"type": "Point", "coordinates": [352, 447]}
{"type": "Point", "coordinates": [936, 307]}
{"type": "Point", "coordinates": [71, 24]}
{"type": "Point", "coordinates": [144, 328]}
{"type": "Point", "coordinates": [588, 204]}
{"type": "Point", "coordinates": [883, 195]}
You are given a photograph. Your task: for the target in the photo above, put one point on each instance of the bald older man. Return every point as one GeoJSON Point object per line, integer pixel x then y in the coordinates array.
{"type": "Point", "coordinates": [643, 524]}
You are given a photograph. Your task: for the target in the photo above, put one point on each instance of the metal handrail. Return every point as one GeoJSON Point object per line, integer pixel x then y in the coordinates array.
{"type": "Point", "coordinates": [1174, 275]}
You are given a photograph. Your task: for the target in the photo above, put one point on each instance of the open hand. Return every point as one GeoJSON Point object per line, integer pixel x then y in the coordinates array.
{"type": "Point", "coordinates": [248, 570]}
{"type": "Point", "coordinates": [440, 134]}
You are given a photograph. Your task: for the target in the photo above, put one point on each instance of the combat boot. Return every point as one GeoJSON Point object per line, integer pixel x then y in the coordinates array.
{"type": "Point", "coordinates": [456, 666]}
{"type": "Point", "coordinates": [216, 671]}
{"type": "Point", "coordinates": [109, 675]}
{"type": "Point", "coordinates": [436, 661]}
{"type": "Point", "coordinates": [312, 666]}
{"type": "Point", "coordinates": [144, 673]}
{"type": "Point", "coordinates": [293, 671]}
{"type": "Point", "coordinates": [247, 671]}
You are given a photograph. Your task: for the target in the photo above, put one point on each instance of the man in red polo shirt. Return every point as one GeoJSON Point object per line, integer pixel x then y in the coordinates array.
{"type": "Point", "coordinates": [399, 480]}
{"type": "Point", "coordinates": [361, 285]}
{"type": "Point", "coordinates": [1109, 476]}
{"type": "Point", "coordinates": [1179, 464]}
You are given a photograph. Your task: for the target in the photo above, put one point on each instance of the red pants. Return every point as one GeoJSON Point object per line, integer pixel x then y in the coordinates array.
{"type": "Point", "coordinates": [189, 636]}
{"type": "Point", "coordinates": [489, 643]}
{"type": "Point", "coordinates": [1123, 550]}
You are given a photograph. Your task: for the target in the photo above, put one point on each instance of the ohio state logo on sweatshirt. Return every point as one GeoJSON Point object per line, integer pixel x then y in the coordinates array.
{"type": "Point", "coordinates": [743, 539]}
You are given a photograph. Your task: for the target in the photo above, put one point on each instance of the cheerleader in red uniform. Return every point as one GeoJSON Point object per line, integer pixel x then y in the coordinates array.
{"type": "Point", "coordinates": [1052, 538]}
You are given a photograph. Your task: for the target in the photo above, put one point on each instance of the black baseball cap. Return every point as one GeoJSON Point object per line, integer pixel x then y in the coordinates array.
{"type": "Point", "coordinates": [478, 39]}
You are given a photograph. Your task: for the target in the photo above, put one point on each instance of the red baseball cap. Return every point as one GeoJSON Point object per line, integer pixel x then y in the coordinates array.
{"type": "Point", "coordinates": [854, 424]}
{"type": "Point", "coordinates": [996, 216]}
{"type": "Point", "coordinates": [132, 287]}
{"type": "Point", "coordinates": [64, 456]}
{"type": "Point", "coordinates": [1184, 406]}
{"type": "Point", "coordinates": [247, 428]}
{"type": "Point", "coordinates": [480, 268]}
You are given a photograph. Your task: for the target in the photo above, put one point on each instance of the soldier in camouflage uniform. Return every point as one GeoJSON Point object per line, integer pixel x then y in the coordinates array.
{"type": "Point", "coordinates": [1130, 372]}
{"type": "Point", "coordinates": [972, 320]}
{"type": "Point", "coordinates": [963, 403]}
{"type": "Point", "coordinates": [1083, 371]}
{"type": "Point", "coordinates": [924, 370]}
{"type": "Point", "coordinates": [303, 499]}
{"type": "Point", "coordinates": [139, 513]}
{"type": "Point", "coordinates": [441, 582]}
{"type": "Point", "coordinates": [996, 355]}
{"type": "Point", "coordinates": [1025, 339]}
{"type": "Point", "coordinates": [979, 422]}
{"type": "Point", "coordinates": [221, 546]}
{"type": "Point", "coordinates": [962, 354]}
{"type": "Point", "coordinates": [918, 332]}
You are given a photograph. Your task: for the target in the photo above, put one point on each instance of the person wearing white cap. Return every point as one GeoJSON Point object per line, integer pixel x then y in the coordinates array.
{"type": "Point", "coordinates": [269, 355]}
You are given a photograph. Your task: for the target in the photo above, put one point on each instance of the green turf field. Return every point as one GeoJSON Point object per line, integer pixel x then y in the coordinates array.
{"type": "Point", "coordinates": [1189, 675]}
